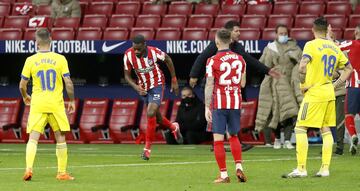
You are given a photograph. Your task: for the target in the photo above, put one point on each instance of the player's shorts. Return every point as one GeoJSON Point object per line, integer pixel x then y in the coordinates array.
{"type": "Point", "coordinates": [352, 105]}
{"type": "Point", "coordinates": [154, 95]}
{"type": "Point", "coordinates": [317, 114]}
{"type": "Point", "coordinates": [57, 121]}
{"type": "Point", "coordinates": [226, 120]}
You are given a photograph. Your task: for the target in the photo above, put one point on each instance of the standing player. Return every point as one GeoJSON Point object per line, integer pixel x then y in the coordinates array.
{"type": "Point", "coordinates": [353, 88]}
{"type": "Point", "coordinates": [47, 70]}
{"type": "Point", "coordinates": [143, 59]}
{"type": "Point", "coordinates": [225, 75]}
{"type": "Point", "coordinates": [321, 57]}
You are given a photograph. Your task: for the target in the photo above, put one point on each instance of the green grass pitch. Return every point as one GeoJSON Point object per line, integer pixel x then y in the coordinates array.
{"type": "Point", "coordinates": [183, 168]}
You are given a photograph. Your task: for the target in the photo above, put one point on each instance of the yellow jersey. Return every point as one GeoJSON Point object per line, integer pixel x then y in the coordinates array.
{"type": "Point", "coordinates": [325, 57]}
{"type": "Point", "coordinates": [46, 70]}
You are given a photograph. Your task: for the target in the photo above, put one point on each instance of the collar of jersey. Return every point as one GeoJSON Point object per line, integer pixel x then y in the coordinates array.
{"type": "Point", "coordinates": [44, 51]}
{"type": "Point", "coordinates": [225, 50]}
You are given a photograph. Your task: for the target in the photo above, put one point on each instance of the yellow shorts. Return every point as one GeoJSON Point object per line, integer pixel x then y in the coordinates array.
{"type": "Point", "coordinates": [57, 121]}
{"type": "Point", "coordinates": [317, 114]}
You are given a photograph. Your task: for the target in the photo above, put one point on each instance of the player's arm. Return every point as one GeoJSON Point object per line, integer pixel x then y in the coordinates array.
{"type": "Point", "coordinates": [348, 69]}
{"type": "Point", "coordinates": [132, 83]}
{"type": "Point", "coordinates": [174, 83]}
{"type": "Point", "coordinates": [243, 80]}
{"type": "Point", "coordinates": [69, 86]}
{"type": "Point", "coordinates": [302, 68]}
{"type": "Point", "coordinates": [23, 90]}
{"type": "Point", "coordinates": [209, 88]}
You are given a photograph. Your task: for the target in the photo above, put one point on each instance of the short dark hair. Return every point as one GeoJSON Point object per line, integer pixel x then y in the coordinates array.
{"type": "Point", "coordinates": [231, 24]}
{"type": "Point", "coordinates": [320, 25]}
{"type": "Point", "coordinates": [138, 39]}
{"type": "Point", "coordinates": [280, 26]}
{"type": "Point", "coordinates": [224, 36]}
{"type": "Point", "coordinates": [43, 35]}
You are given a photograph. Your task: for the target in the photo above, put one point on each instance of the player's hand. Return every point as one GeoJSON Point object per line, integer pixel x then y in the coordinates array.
{"type": "Point", "coordinates": [274, 73]}
{"type": "Point", "coordinates": [193, 82]}
{"type": "Point", "coordinates": [208, 115]}
{"type": "Point", "coordinates": [141, 91]}
{"type": "Point", "coordinates": [27, 100]}
{"type": "Point", "coordinates": [174, 86]}
{"type": "Point", "coordinates": [71, 107]}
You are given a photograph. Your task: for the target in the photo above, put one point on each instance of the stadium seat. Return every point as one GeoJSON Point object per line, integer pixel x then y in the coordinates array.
{"type": "Point", "coordinates": [338, 7]}
{"type": "Point", "coordinates": [354, 20]}
{"type": "Point", "coordinates": [18, 5]}
{"type": "Point", "coordinates": [122, 21]}
{"type": "Point", "coordinates": [74, 135]}
{"type": "Point", "coordinates": [338, 33]}
{"type": "Point", "coordinates": [304, 21]}
{"type": "Point", "coordinates": [268, 34]}
{"type": "Point", "coordinates": [10, 130]}
{"type": "Point", "coordinates": [101, 8]}
{"type": "Point", "coordinates": [113, 1]}
{"type": "Point", "coordinates": [312, 8]}
{"type": "Point", "coordinates": [62, 33]}
{"type": "Point", "coordinates": [247, 123]}
{"type": "Point", "coordinates": [259, 9]}
{"type": "Point", "coordinates": [200, 21]}
{"type": "Point", "coordinates": [357, 9]}
{"type": "Point", "coordinates": [249, 34]}
{"type": "Point", "coordinates": [95, 21]}
{"type": "Point", "coordinates": [148, 33]}
{"type": "Point", "coordinates": [174, 21]}
{"type": "Point", "coordinates": [337, 21]}
{"type": "Point", "coordinates": [43, 10]}
{"type": "Point", "coordinates": [67, 22]}
{"type": "Point", "coordinates": [122, 123]}
{"type": "Point", "coordinates": [128, 8]}
{"type": "Point", "coordinates": [4, 9]}
{"type": "Point", "coordinates": [285, 8]}
{"type": "Point", "coordinates": [89, 33]}
{"type": "Point", "coordinates": [1, 21]}
{"type": "Point", "coordinates": [10, 34]}
{"type": "Point", "coordinates": [180, 8]}
{"type": "Point", "coordinates": [149, 8]}
{"type": "Point", "coordinates": [206, 9]}
{"type": "Point", "coordinates": [301, 34]}
{"type": "Point", "coordinates": [195, 34]}
{"type": "Point", "coordinates": [93, 121]}
{"type": "Point", "coordinates": [168, 34]}
{"type": "Point", "coordinates": [349, 34]}
{"type": "Point", "coordinates": [83, 6]}
{"type": "Point", "coordinates": [275, 20]}
{"type": "Point", "coordinates": [16, 22]}
{"type": "Point", "coordinates": [174, 110]}
{"type": "Point", "coordinates": [238, 9]}
{"type": "Point", "coordinates": [212, 33]}
{"type": "Point", "coordinates": [116, 34]}
{"type": "Point", "coordinates": [148, 21]}
{"type": "Point", "coordinates": [220, 20]}
{"type": "Point", "coordinates": [29, 34]}
{"type": "Point", "coordinates": [253, 21]}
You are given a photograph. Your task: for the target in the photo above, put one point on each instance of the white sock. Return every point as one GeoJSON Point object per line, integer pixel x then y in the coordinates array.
{"type": "Point", "coordinates": [238, 166]}
{"type": "Point", "coordinates": [223, 174]}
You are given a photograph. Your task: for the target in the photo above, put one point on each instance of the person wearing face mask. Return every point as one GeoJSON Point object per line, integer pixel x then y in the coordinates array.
{"type": "Point", "coordinates": [279, 99]}
{"type": "Point", "coordinates": [65, 8]}
{"type": "Point", "coordinates": [191, 119]}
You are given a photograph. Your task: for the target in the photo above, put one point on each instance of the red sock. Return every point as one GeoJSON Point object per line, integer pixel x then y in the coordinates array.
{"type": "Point", "coordinates": [165, 122]}
{"type": "Point", "coordinates": [235, 148]}
{"type": "Point", "coordinates": [220, 155]}
{"type": "Point", "coordinates": [350, 124]}
{"type": "Point", "coordinates": [150, 132]}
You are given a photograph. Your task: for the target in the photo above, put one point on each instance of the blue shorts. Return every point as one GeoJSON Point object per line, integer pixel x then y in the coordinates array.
{"type": "Point", "coordinates": [352, 105]}
{"type": "Point", "coordinates": [226, 119]}
{"type": "Point", "coordinates": [154, 95]}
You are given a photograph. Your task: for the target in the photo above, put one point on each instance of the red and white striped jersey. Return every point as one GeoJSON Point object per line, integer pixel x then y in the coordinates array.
{"type": "Point", "coordinates": [146, 68]}
{"type": "Point", "coordinates": [227, 68]}
{"type": "Point", "coordinates": [353, 50]}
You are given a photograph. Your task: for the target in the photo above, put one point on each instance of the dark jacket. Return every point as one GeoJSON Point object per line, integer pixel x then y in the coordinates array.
{"type": "Point", "coordinates": [192, 118]}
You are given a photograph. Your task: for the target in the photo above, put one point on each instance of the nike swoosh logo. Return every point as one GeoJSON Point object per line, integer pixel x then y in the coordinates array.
{"type": "Point", "coordinates": [106, 48]}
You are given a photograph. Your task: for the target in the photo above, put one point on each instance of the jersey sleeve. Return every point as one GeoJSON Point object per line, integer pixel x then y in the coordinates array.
{"type": "Point", "coordinates": [26, 71]}
{"type": "Point", "coordinates": [65, 68]}
{"type": "Point", "coordinates": [160, 55]}
{"type": "Point", "coordinates": [308, 50]}
{"type": "Point", "coordinates": [127, 64]}
{"type": "Point", "coordinates": [345, 46]}
{"type": "Point", "coordinates": [343, 60]}
{"type": "Point", "coordinates": [209, 67]}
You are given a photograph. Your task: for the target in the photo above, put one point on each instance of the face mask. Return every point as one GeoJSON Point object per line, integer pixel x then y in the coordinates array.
{"type": "Point", "coordinates": [283, 39]}
{"type": "Point", "coordinates": [188, 101]}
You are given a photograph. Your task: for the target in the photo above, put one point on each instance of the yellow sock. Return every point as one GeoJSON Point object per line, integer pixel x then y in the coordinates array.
{"type": "Point", "coordinates": [61, 154]}
{"type": "Point", "coordinates": [328, 142]}
{"type": "Point", "coordinates": [301, 148]}
{"type": "Point", "coordinates": [31, 148]}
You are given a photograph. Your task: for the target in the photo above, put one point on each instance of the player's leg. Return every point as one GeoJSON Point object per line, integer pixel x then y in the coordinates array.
{"type": "Point", "coordinates": [352, 107]}
{"type": "Point", "coordinates": [174, 127]}
{"type": "Point", "coordinates": [151, 129]}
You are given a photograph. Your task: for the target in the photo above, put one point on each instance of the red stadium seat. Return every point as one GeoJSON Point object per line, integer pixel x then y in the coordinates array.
{"type": "Point", "coordinates": [122, 123]}
{"type": "Point", "coordinates": [18, 5]}
{"type": "Point", "coordinates": [4, 9]}
{"type": "Point", "coordinates": [249, 34]}
{"type": "Point", "coordinates": [101, 8]}
{"type": "Point", "coordinates": [338, 33]}
{"type": "Point", "coordinates": [275, 20]}
{"type": "Point", "coordinates": [43, 10]}
{"type": "Point", "coordinates": [195, 34]}
{"type": "Point", "coordinates": [174, 110]}
{"type": "Point", "coordinates": [247, 123]}
{"type": "Point", "coordinates": [152, 9]}
{"type": "Point", "coordinates": [74, 135]}
{"type": "Point", "coordinates": [128, 8]}
{"type": "Point", "coordinates": [253, 21]}
{"type": "Point", "coordinates": [301, 34]}
{"type": "Point", "coordinates": [180, 8]}
{"type": "Point", "coordinates": [9, 115]}
{"type": "Point", "coordinates": [16, 22]}
{"type": "Point", "coordinates": [122, 21]}
{"type": "Point", "coordinates": [95, 21]}
{"type": "Point", "coordinates": [1, 21]}
{"type": "Point", "coordinates": [268, 34]}
{"type": "Point", "coordinates": [116, 34]}
{"type": "Point", "coordinates": [212, 33]}
{"type": "Point", "coordinates": [349, 34]}
{"type": "Point", "coordinates": [113, 1]}
{"type": "Point", "coordinates": [220, 20]}
{"type": "Point", "coordinates": [148, 33]}
{"type": "Point", "coordinates": [89, 34]}
{"type": "Point", "coordinates": [148, 21]}
{"type": "Point", "coordinates": [29, 34]}
{"type": "Point", "coordinates": [83, 6]}
{"type": "Point", "coordinates": [337, 21]}
{"type": "Point", "coordinates": [207, 9]}
{"type": "Point", "coordinates": [62, 34]}
{"type": "Point", "coordinates": [174, 21]}
{"type": "Point", "coordinates": [200, 21]}
{"type": "Point", "coordinates": [312, 8]}
{"type": "Point", "coordinates": [67, 22]}
{"type": "Point", "coordinates": [168, 34]}
{"type": "Point", "coordinates": [357, 9]}
{"type": "Point", "coordinates": [304, 21]}
{"type": "Point", "coordinates": [354, 20]}
{"type": "Point", "coordinates": [238, 9]}
{"type": "Point", "coordinates": [285, 8]}
{"type": "Point", "coordinates": [338, 7]}
{"type": "Point", "coordinates": [11, 34]}
{"type": "Point", "coordinates": [259, 9]}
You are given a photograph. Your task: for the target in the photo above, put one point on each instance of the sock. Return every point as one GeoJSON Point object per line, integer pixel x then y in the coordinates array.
{"type": "Point", "coordinates": [165, 122]}
{"type": "Point", "coordinates": [239, 166]}
{"type": "Point", "coordinates": [220, 155]}
{"type": "Point", "coordinates": [223, 174]}
{"type": "Point", "coordinates": [328, 142]}
{"type": "Point", "coordinates": [31, 148]}
{"type": "Point", "coordinates": [235, 148]}
{"type": "Point", "coordinates": [350, 124]}
{"type": "Point", "coordinates": [62, 156]}
{"type": "Point", "coordinates": [301, 148]}
{"type": "Point", "coordinates": [150, 132]}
